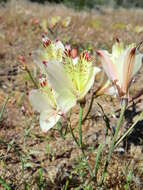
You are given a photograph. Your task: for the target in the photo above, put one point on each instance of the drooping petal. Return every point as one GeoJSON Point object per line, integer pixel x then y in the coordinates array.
{"type": "Point", "coordinates": [48, 119]}
{"type": "Point", "coordinates": [40, 101]}
{"type": "Point", "coordinates": [108, 65]}
{"type": "Point", "coordinates": [90, 81]}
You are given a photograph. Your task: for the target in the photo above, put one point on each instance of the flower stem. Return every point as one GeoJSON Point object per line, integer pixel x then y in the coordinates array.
{"type": "Point", "coordinates": [31, 77]}
{"type": "Point", "coordinates": [89, 108]}
{"type": "Point", "coordinates": [73, 136]}
{"type": "Point", "coordinates": [79, 140]}
{"type": "Point", "coordinates": [113, 141]}
{"type": "Point", "coordinates": [80, 126]}
{"type": "Point", "coordinates": [98, 156]}
{"type": "Point", "coordinates": [129, 130]}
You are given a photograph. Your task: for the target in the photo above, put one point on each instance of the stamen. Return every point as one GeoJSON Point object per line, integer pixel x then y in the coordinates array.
{"type": "Point", "coordinates": [67, 47]}
{"type": "Point", "coordinates": [86, 56]}
{"type": "Point", "coordinates": [30, 54]}
{"type": "Point", "coordinates": [46, 41]}
{"type": "Point", "coordinates": [61, 114]}
{"type": "Point", "coordinates": [117, 40]}
{"type": "Point", "coordinates": [43, 82]}
{"type": "Point", "coordinates": [44, 63]}
{"type": "Point", "coordinates": [67, 53]}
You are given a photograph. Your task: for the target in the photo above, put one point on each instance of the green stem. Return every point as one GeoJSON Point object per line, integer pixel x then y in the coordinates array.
{"type": "Point", "coordinates": [73, 136]}
{"type": "Point", "coordinates": [129, 130]}
{"type": "Point", "coordinates": [89, 168]}
{"type": "Point", "coordinates": [59, 128]}
{"type": "Point", "coordinates": [98, 156]}
{"type": "Point", "coordinates": [31, 77]}
{"type": "Point", "coordinates": [79, 140]}
{"type": "Point", "coordinates": [89, 108]}
{"type": "Point", "coordinates": [77, 143]}
{"type": "Point", "coordinates": [112, 146]}
{"type": "Point", "coordinates": [80, 126]}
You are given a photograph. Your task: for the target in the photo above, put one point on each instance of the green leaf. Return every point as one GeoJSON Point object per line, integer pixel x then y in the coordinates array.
{"type": "Point", "coordinates": [4, 184]}
{"type": "Point", "coordinates": [3, 108]}
{"type": "Point", "coordinates": [99, 151]}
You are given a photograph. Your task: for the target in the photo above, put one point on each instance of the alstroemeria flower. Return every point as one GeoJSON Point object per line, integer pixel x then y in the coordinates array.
{"type": "Point", "coordinates": [121, 66]}
{"type": "Point", "coordinates": [51, 51]}
{"type": "Point", "coordinates": [71, 80]}
{"type": "Point", "coordinates": [44, 101]}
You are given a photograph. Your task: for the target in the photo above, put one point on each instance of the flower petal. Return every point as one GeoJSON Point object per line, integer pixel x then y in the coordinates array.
{"type": "Point", "coordinates": [39, 100]}
{"type": "Point", "coordinates": [37, 58]}
{"type": "Point", "coordinates": [62, 85]}
{"type": "Point", "coordinates": [108, 65]}
{"type": "Point", "coordinates": [48, 119]}
{"type": "Point", "coordinates": [138, 64]}
{"type": "Point", "coordinates": [59, 45]}
{"type": "Point", "coordinates": [65, 100]}
{"type": "Point", "coordinates": [117, 49]}
{"type": "Point", "coordinates": [57, 77]}
{"type": "Point", "coordinates": [90, 81]}
{"type": "Point", "coordinates": [129, 62]}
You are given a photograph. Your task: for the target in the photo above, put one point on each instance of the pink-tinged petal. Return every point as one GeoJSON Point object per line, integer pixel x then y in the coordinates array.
{"type": "Point", "coordinates": [108, 65]}
{"type": "Point", "coordinates": [129, 62]}
{"type": "Point", "coordinates": [48, 119]}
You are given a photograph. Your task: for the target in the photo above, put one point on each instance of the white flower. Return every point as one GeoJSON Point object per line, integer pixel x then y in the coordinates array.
{"type": "Point", "coordinates": [121, 66]}
{"type": "Point", "coordinates": [71, 81]}
{"type": "Point", "coordinates": [44, 101]}
{"type": "Point", "coordinates": [69, 78]}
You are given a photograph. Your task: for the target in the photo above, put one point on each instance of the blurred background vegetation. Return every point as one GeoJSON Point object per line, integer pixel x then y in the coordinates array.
{"type": "Point", "coordinates": [80, 4]}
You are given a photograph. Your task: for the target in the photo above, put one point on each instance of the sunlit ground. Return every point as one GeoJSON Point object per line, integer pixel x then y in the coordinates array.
{"type": "Point", "coordinates": [31, 159]}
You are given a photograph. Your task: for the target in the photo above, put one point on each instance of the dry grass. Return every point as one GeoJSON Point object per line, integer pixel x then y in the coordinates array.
{"type": "Point", "coordinates": [24, 149]}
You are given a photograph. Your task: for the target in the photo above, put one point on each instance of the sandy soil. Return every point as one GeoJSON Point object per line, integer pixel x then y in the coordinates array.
{"type": "Point", "coordinates": [26, 153]}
